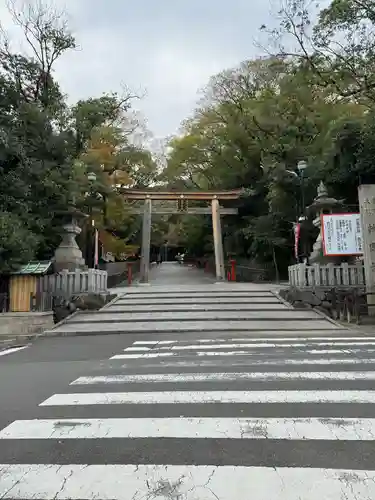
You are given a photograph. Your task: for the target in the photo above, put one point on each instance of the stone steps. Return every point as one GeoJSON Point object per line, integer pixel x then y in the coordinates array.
{"type": "Point", "coordinates": [203, 309]}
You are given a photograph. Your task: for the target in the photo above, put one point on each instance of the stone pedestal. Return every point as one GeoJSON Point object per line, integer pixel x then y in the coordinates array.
{"type": "Point", "coordinates": [68, 255]}
{"type": "Point", "coordinates": [316, 255]}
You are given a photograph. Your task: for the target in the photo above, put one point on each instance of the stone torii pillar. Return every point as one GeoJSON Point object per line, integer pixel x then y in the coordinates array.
{"type": "Point", "coordinates": [146, 242]}
{"type": "Point", "coordinates": [218, 240]}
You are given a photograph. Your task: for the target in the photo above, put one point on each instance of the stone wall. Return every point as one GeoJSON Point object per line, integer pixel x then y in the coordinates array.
{"type": "Point", "coordinates": [62, 308]}
{"type": "Point", "coordinates": [13, 324]}
{"type": "Point", "coordinates": [331, 301]}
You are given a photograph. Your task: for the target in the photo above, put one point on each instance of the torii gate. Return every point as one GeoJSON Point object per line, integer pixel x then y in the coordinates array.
{"type": "Point", "coordinates": [216, 210]}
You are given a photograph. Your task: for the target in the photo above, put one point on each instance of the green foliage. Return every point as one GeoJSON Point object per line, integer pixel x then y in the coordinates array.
{"type": "Point", "coordinates": [43, 142]}
{"type": "Point", "coordinates": [253, 125]}
{"type": "Point", "coordinates": [256, 122]}
{"type": "Point", "coordinates": [17, 244]}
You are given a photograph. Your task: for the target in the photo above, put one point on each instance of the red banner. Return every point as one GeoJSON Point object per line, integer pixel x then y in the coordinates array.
{"type": "Point", "coordinates": [297, 232]}
{"type": "Point", "coordinates": [96, 249]}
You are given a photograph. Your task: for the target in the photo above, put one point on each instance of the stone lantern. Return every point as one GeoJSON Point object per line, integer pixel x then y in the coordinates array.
{"type": "Point", "coordinates": [68, 254]}
{"type": "Point", "coordinates": [322, 204]}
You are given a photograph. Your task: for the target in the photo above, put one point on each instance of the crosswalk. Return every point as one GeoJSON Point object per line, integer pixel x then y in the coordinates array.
{"type": "Point", "coordinates": [205, 417]}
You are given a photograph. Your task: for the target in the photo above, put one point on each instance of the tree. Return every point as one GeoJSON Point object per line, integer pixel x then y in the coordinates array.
{"type": "Point", "coordinates": [48, 38]}
{"type": "Point", "coordinates": [338, 47]}
{"type": "Point", "coordinates": [43, 141]}
{"type": "Point", "coordinates": [253, 126]}
{"type": "Point", "coordinates": [17, 244]}
{"type": "Point", "coordinates": [34, 168]}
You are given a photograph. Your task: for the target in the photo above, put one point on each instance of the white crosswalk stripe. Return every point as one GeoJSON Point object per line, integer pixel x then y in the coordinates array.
{"type": "Point", "coordinates": [272, 417]}
{"type": "Point", "coordinates": [12, 350]}
{"type": "Point", "coordinates": [225, 376]}
{"type": "Point", "coordinates": [126, 482]}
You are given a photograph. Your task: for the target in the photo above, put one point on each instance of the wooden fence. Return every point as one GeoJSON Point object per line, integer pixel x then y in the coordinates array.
{"type": "Point", "coordinates": [304, 276]}
{"type": "Point", "coordinates": [69, 283]}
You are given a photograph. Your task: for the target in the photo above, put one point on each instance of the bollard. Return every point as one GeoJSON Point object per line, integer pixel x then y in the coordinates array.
{"type": "Point", "coordinates": [232, 270]}
{"type": "Point", "coordinates": [130, 274]}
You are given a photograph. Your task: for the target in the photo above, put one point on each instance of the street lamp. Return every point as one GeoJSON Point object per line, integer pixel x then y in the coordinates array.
{"type": "Point", "coordinates": [91, 176]}
{"type": "Point", "coordinates": [302, 165]}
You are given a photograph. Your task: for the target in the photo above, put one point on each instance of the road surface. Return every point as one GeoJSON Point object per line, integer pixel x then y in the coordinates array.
{"type": "Point", "coordinates": [193, 415]}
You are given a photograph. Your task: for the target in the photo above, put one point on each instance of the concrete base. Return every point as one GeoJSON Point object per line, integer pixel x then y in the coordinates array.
{"type": "Point", "coordinates": [30, 323]}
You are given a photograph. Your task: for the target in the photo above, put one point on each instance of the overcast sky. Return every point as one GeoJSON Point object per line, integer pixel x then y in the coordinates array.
{"type": "Point", "coordinates": [167, 48]}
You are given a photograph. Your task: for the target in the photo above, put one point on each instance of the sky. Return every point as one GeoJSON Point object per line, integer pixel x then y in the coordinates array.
{"type": "Point", "coordinates": [165, 50]}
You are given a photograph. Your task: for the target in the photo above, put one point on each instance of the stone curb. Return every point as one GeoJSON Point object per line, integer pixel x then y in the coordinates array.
{"type": "Point", "coordinates": [186, 320]}
{"type": "Point", "coordinates": [113, 301]}
{"type": "Point", "coordinates": [283, 301]}
{"type": "Point", "coordinates": [182, 309]}
{"type": "Point", "coordinates": [54, 333]}
{"type": "Point", "coordinates": [328, 318]}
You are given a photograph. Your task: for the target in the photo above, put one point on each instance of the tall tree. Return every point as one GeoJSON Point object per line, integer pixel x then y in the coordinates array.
{"type": "Point", "coordinates": [337, 43]}
{"type": "Point", "coordinates": [254, 124]}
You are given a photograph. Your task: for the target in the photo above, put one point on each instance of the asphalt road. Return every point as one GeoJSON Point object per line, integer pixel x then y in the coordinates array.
{"type": "Point", "coordinates": [190, 415]}
{"type": "Point", "coordinates": [47, 366]}
{"type": "Point", "coordinates": [183, 413]}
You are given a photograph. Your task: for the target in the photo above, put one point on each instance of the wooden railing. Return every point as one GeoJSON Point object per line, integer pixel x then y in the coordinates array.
{"type": "Point", "coordinates": [304, 276]}
{"type": "Point", "coordinates": [235, 271]}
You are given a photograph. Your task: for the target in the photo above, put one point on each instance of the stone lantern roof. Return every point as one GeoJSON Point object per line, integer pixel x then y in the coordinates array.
{"type": "Point", "coordinates": [322, 201]}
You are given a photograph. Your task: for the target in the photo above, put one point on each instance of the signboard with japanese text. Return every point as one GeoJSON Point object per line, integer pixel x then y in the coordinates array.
{"type": "Point", "coordinates": [342, 234]}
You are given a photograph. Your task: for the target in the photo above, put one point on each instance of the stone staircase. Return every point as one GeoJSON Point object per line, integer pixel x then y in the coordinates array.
{"type": "Point", "coordinates": [220, 308]}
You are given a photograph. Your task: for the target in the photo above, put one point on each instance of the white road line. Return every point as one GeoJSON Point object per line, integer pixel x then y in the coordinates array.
{"type": "Point", "coordinates": [344, 429]}
{"type": "Point", "coordinates": [221, 377]}
{"type": "Point", "coordinates": [12, 350]}
{"type": "Point", "coordinates": [153, 342]}
{"type": "Point", "coordinates": [138, 349]}
{"type": "Point", "coordinates": [263, 362]}
{"type": "Point", "coordinates": [143, 355]}
{"type": "Point", "coordinates": [190, 482]}
{"type": "Point", "coordinates": [336, 351]}
{"type": "Point", "coordinates": [275, 338]}
{"type": "Point", "coordinates": [159, 354]}
{"type": "Point", "coordinates": [203, 397]}
{"type": "Point", "coordinates": [263, 345]}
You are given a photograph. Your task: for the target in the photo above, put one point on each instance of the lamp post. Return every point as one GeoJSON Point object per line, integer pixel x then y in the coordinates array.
{"type": "Point", "coordinates": [301, 166]}
{"type": "Point", "coordinates": [91, 176]}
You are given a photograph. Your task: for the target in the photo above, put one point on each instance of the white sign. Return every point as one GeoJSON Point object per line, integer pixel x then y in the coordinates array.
{"type": "Point", "coordinates": [342, 234]}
